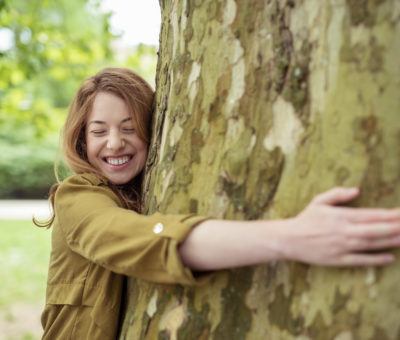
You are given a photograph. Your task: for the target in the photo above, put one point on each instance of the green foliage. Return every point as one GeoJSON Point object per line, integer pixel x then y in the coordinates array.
{"type": "Point", "coordinates": [143, 59]}
{"type": "Point", "coordinates": [53, 46]}
{"type": "Point", "coordinates": [26, 171]}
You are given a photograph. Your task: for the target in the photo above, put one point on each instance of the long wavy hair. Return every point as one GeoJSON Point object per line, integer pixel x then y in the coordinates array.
{"type": "Point", "coordinates": [138, 96]}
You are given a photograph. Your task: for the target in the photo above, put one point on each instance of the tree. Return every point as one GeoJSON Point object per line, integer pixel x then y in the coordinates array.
{"type": "Point", "coordinates": [260, 105]}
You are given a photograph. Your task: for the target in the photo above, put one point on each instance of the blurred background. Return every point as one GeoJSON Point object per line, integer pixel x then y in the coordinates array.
{"type": "Point", "coordinates": [46, 49]}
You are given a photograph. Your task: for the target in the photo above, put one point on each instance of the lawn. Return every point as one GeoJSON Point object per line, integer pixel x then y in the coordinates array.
{"type": "Point", "coordinates": [24, 257]}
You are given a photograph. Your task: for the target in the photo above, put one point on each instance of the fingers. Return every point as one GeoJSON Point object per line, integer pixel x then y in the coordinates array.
{"type": "Point", "coordinates": [374, 230]}
{"type": "Point", "coordinates": [366, 259]}
{"type": "Point", "coordinates": [358, 244]}
{"type": "Point", "coordinates": [358, 215]}
{"type": "Point", "coordinates": [336, 195]}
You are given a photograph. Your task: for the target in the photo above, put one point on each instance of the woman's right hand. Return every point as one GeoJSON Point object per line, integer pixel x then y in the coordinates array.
{"type": "Point", "coordinates": [331, 235]}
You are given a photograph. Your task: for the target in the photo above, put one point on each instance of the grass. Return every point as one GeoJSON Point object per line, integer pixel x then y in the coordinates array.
{"type": "Point", "coordinates": [24, 259]}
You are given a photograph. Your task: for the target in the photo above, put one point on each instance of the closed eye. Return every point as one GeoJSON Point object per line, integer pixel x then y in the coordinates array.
{"type": "Point", "coordinates": [98, 132]}
{"type": "Point", "coordinates": [128, 130]}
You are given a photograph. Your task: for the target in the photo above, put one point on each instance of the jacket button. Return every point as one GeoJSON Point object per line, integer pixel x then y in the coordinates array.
{"type": "Point", "coordinates": [158, 228]}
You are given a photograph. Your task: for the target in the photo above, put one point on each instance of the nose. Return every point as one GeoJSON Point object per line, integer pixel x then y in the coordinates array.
{"type": "Point", "coordinates": [115, 141]}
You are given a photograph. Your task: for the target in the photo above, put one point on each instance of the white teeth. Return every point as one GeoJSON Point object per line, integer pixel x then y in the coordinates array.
{"type": "Point", "coordinates": [117, 161]}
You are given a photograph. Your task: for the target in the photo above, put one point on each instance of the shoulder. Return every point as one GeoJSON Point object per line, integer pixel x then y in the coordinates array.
{"type": "Point", "coordinates": [87, 186]}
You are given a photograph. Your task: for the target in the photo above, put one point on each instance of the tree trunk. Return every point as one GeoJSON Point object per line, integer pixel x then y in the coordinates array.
{"type": "Point", "coordinates": [261, 105]}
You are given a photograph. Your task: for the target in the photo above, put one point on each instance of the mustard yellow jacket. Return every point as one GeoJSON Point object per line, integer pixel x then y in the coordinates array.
{"type": "Point", "coordinates": [95, 242]}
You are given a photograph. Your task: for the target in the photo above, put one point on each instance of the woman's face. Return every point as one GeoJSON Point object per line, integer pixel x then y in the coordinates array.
{"type": "Point", "coordinates": [113, 146]}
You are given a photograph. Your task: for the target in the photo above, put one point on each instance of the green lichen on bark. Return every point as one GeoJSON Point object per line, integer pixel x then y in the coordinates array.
{"type": "Point", "coordinates": [364, 56]}
{"type": "Point", "coordinates": [366, 131]}
{"type": "Point", "coordinates": [363, 11]}
{"type": "Point", "coordinates": [163, 335]}
{"type": "Point", "coordinates": [193, 205]}
{"type": "Point", "coordinates": [160, 117]}
{"type": "Point", "coordinates": [296, 87]}
{"type": "Point", "coordinates": [197, 143]}
{"type": "Point", "coordinates": [197, 325]}
{"type": "Point", "coordinates": [282, 44]}
{"type": "Point", "coordinates": [246, 19]}
{"type": "Point", "coordinates": [340, 301]}
{"type": "Point", "coordinates": [291, 67]}
{"type": "Point", "coordinates": [372, 183]}
{"type": "Point", "coordinates": [251, 194]}
{"type": "Point", "coordinates": [376, 58]}
{"type": "Point", "coordinates": [236, 193]}
{"type": "Point", "coordinates": [264, 187]}
{"type": "Point", "coordinates": [236, 157]}
{"type": "Point", "coordinates": [342, 174]}
{"type": "Point", "coordinates": [320, 330]}
{"type": "Point", "coordinates": [145, 325]}
{"type": "Point", "coordinates": [380, 334]}
{"type": "Point", "coordinates": [368, 54]}
{"type": "Point", "coordinates": [237, 316]}
{"type": "Point", "coordinates": [280, 314]}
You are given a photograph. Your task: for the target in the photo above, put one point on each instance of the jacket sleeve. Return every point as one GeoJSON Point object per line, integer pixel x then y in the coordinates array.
{"type": "Point", "coordinates": [121, 240]}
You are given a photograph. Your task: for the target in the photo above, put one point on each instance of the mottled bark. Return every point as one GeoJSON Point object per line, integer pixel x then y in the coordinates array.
{"type": "Point", "coordinates": [260, 106]}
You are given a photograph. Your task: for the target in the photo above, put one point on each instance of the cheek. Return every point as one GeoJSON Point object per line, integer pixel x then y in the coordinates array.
{"type": "Point", "coordinates": [144, 150]}
{"type": "Point", "coordinates": [139, 145]}
{"type": "Point", "coordinates": [92, 149]}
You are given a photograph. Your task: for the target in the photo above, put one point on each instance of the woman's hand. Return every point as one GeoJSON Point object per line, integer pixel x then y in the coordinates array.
{"type": "Point", "coordinates": [325, 234]}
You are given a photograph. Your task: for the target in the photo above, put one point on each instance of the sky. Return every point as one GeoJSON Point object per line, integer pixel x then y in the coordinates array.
{"type": "Point", "coordinates": [138, 20]}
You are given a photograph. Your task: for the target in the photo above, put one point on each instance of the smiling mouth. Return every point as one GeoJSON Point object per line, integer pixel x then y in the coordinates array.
{"type": "Point", "coordinates": [117, 160]}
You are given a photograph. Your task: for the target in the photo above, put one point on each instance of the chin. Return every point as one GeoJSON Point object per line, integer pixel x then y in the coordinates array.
{"type": "Point", "coordinates": [119, 181]}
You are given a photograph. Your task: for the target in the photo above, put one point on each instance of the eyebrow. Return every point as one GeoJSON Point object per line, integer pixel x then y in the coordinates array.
{"type": "Point", "coordinates": [103, 122]}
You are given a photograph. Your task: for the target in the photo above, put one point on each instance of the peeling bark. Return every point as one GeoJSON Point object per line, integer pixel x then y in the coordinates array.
{"type": "Point", "coordinates": [260, 105]}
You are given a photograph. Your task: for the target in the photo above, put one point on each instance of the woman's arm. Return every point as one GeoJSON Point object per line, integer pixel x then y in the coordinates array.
{"type": "Point", "coordinates": [91, 222]}
{"type": "Point", "coordinates": [323, 234]}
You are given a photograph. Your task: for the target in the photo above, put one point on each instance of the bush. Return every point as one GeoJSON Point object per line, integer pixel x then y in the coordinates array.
{"type": "Point", "coordinates": [26, 171]}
